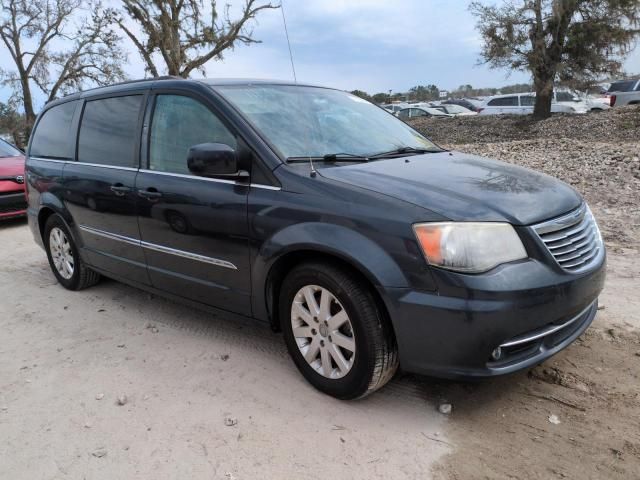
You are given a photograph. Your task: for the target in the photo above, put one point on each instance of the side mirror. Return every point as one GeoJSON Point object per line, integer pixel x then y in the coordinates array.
{"type": "Point", "coordinates": [214, 160]}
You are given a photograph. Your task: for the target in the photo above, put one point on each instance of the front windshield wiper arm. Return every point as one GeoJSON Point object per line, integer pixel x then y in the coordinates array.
{"type": "Point", "coordinates": [404, 151]}
{"type": "Point", "coordinates": [330, 157]}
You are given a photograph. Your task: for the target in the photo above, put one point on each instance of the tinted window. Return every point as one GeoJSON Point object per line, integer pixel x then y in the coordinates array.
{"type": "Point", "coordinates": [504, 102]}
{"type": "Point", "coordinates": [52, 137]}
{"type": "Point", "coordinates": [527, 100]}
{"type": "Point", "coordinates": [416, 112]}
{"type": "Point", "coordinates": [108, 131]}
{"type": "Point", "coordinates": [404, 113]}
{"type": "Point", "coordinates": [624, 86]}
{"type": "Point", "coordinates": [564, 97]}
{"type": "Point", "coordinates": [178, 124]}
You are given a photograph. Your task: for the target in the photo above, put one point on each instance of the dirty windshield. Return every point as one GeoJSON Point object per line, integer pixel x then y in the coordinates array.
{"type": "Point", "coordinates": [314, 122]}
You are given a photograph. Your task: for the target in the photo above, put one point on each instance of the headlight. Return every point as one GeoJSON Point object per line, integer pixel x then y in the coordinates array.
{"type": "Point", "coordinates": [469, 247]}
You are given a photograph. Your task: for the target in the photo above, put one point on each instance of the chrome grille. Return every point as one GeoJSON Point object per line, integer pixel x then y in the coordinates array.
{"type": "Point", "coordinates": [573, 239]}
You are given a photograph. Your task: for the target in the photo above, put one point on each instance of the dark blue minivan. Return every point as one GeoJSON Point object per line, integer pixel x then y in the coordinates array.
{"type": "Point", "coordinates": [367, 245]}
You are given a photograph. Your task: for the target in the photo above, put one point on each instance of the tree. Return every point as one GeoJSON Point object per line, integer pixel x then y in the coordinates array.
{"type": "Point", "coordinates": [362, 94]}
{"type": "Point", "coordinates": [380, 97]}
{"type": "Point", "coordinates": [569, 40]}
{"type": "Point", "coordinates": [30, 28]}
{"type": "Point", "coordinates": [185, 33]}
{"type": "Point", "coordinates": [13, 123]}
{"type": "Point", "coordinates": [423, 93]}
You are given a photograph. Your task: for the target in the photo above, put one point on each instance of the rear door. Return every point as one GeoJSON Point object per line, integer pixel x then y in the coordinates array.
{"type": "Point", "coordinates": [526, 104]}
{"type": "Point", "coordinates": [98, 189]}
{"type": "Point", "coordinates": [194, 229]}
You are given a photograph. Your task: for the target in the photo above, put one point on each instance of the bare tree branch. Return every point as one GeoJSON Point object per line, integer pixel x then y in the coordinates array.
{"type": "Point", "coordinates": [182, 35]}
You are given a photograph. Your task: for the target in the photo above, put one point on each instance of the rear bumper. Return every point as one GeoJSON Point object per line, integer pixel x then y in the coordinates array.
{"type": "Point", "coordinates": [528, 309]}
{"type": "Point", "coordinates": [13, 205]}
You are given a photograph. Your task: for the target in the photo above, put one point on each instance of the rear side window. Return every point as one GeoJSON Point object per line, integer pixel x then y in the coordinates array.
{"type": "Point", "coordinates": [109, 131]}
{"type": "Point", "coordinates": [52, 137]}
{"type": "Point", "coordinates": [178, 124]}
{"type": "Point", "coordinates": [623, 86]}
{"type": "Point", "coordinates": [504, 102]}
{"type": "Point", "coordinates": [527, 100]}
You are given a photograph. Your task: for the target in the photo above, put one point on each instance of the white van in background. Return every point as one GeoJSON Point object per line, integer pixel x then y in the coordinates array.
{"type": "Point", "coordinates": [522, 104]}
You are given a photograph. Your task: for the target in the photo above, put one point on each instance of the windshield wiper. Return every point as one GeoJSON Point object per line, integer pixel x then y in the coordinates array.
{"type": "Point", "coordinates": [330, 157]}
{"type": "Point", "coordinates": [404, 151]}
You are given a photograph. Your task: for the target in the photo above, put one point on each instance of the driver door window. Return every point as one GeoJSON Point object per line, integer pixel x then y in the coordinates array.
{"type": "Point", "coordinates": [178, 124]}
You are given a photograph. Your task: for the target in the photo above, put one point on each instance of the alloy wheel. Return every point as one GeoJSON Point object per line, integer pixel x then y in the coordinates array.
{"type": "Point", "coordinates": [61, 253]}
{"type": "Point", "coordinates": [323, 331]}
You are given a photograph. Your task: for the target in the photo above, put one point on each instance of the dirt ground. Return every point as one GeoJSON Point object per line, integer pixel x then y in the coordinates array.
{"type": "Point", "coordinates": [210, 398]}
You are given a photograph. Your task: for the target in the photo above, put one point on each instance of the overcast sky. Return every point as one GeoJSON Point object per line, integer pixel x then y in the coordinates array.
{"type": "Point", "coordinates": [372, 45]}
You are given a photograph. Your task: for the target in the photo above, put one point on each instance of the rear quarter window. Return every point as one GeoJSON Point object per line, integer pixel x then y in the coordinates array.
{"type": "Point", "coordinates": [109, 131]}
{"type": "Point", "coordinates": [52, 137]}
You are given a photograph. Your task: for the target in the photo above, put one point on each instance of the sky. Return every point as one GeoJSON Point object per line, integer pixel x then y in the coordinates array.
{"type": "Point", "coordinates": [371, 45]}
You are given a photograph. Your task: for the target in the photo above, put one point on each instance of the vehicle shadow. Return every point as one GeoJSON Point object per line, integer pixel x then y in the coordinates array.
{"type": "Point", "coordinates": [240, 333]}
{"type": "Point", "coordinates": [13, 223]}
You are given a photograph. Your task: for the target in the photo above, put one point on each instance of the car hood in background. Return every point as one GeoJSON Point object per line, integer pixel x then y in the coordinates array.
{"type": "Point", "coordinates": [463, 187]}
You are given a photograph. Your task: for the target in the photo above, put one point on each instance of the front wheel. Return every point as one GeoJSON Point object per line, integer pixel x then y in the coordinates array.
{"type": "Point", "coordinates": [337, 335]}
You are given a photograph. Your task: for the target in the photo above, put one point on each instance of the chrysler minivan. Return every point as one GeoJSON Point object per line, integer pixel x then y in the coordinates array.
{"type": "Point", "coordinates": [366, 244]}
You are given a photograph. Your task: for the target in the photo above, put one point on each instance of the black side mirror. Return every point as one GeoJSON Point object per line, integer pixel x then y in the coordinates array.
{"type": "Point", "coordinates": [214, 160]}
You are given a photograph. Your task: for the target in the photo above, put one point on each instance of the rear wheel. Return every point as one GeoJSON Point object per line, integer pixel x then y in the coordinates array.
{"type": "Point", "coordinates": [64, 259]}
{"type": "Point", "coordinates": [338, 337]}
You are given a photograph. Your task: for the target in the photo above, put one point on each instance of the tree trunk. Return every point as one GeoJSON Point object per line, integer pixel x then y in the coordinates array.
{"type": "Point", "coordinates": [27, 102]}
{"type": "Point", "coordinates": [544, 96]}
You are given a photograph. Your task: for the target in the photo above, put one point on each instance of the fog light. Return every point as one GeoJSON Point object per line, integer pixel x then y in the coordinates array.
{"type": "Point", "coordinates": [496, 354]}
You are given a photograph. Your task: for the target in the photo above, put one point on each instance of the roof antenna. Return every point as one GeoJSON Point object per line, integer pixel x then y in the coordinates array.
{"type": "Point", "coordinates": [286, 32]}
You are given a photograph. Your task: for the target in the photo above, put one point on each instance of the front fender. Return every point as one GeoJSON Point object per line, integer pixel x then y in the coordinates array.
{"type": "Point", "coordinates": [331, 239]}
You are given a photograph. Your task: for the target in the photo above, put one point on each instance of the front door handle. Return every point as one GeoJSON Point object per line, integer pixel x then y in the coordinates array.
{"type": "Point", "coordinates": [119, 189]}
{"type": "Point", "coordinates": [150, 193]}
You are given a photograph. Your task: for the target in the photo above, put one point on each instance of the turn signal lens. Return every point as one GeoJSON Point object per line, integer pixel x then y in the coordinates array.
{"type": "Point", "coordinates": [469, 247]}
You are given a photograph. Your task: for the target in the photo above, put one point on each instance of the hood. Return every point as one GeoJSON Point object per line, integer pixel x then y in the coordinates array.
{"type": "Point", "coordinates": [463, 187]}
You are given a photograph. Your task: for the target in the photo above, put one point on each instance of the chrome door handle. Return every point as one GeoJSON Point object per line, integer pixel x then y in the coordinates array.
{"type": "Point", "coordinates": [150, 194]}
{"type": "Point", "coordinates": [119, 189]}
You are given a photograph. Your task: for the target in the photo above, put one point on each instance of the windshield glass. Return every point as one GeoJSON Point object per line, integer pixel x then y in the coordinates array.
{"type": "Point", "coordinates": [7, 150]}
{"type": "Point", "coordinates": [313, 121]}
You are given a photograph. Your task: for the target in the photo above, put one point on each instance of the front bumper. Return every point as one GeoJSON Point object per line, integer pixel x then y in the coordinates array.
{"type": "Point", "coordinates": [529, 309]}
{"type": "Point", "coordinates": [12, 205]}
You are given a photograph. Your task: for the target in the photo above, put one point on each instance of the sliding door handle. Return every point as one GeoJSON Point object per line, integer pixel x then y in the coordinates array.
{"type": "Point", "coordinates": [150, 193]}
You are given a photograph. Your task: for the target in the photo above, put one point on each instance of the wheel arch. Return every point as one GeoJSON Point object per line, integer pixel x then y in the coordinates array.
{"type": "Point", "coordinates": [313, 241]}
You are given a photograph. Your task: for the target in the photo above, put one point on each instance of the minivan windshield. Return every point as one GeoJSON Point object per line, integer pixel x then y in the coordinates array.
{"type": "Point", "coordinates": [302, 121]}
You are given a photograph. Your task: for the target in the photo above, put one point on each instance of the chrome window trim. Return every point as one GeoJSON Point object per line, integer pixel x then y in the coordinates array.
{"type": "Point", "coordinates": [113, 167]}
{"type": "Point", "coordinates": [209, 179]}
{"type": "Point", "coordinates": [159, 248]}
{"type": "Point", "coordinates": [53, 160]}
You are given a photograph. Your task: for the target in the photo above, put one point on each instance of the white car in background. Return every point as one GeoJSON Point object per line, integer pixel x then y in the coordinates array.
{"type": "Point", "coordinates": [522, 104]}
{"type": "Point", "coordinates": [414, 112]}
{"type": "Point", "coordinates": [455, 110]}
{"type": "Point", "coordinates": [395, 107]}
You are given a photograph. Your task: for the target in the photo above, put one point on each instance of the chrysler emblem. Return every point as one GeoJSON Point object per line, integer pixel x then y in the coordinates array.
{"type": "Point", "coordinates": [20, 179]}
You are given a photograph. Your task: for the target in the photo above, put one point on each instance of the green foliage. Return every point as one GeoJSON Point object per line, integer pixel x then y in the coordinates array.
{"type": "Point", "coordinates": [573, 41]}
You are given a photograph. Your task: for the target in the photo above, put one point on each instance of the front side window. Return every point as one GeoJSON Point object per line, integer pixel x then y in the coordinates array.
{"type": "Point", "coordinates": [51, 138]}
{"type": "Point", "coordinates": [178, 124]}
{"type": "Point", "coordinates": [302, 121]}
{"type": "Point", "coordinates": [109, 131]}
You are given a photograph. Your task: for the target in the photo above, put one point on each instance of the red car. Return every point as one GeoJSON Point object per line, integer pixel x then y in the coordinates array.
{"type": "Point", "coordinates": [13, 200]}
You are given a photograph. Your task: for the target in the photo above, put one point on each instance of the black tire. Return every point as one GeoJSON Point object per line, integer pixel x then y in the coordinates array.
{"type": "Point", "coordinates": [376, 358]}
{"type": "Point", "coordinates": [82, 276]}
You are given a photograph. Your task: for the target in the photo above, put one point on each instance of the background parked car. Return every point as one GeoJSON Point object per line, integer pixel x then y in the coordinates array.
{"type": "Point", "coordinates": [395, 107]}
{"type": "Point", "coordinates": [455, 110]}
{"type": "Point", "coordinates": [422, 112]}
{"type": "Point", "coordinates": [581, 102]}
{"type": "Point", "coordinates": [13, 202]}
{"type": "Point", "coordinates": [522, 104]}
{"type": "Point", "coordinates": [463, 102]}
{"type": "Point", "coordinates": [625, 92]}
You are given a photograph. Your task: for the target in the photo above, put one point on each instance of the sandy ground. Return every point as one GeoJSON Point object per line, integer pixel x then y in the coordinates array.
{"type": "Point", "coordinates": [186, 376]}
{"type": "Point", "coordinates": [210, 398]}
